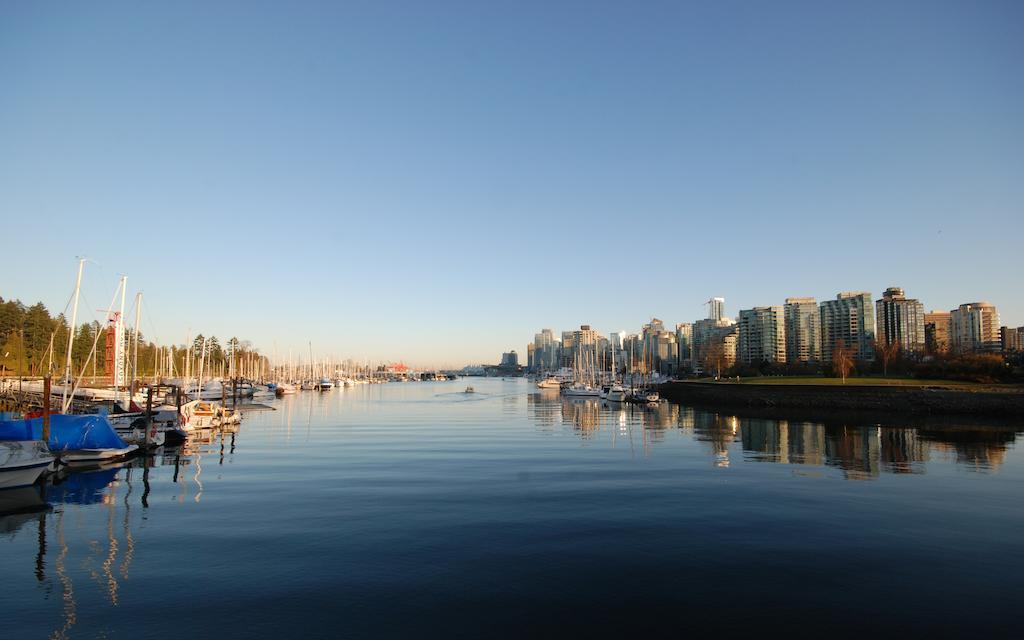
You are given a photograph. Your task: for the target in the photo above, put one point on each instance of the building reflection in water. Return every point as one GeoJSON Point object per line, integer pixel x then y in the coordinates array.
{"type": "Point", "coordinates": [977, 449]}
{"type": "Point", "coordinates": [584, 414]}
{"type": "Point", "coordinates": [587, 416]}
{"type": "Point", "coordinates": [860, 452]}
{"type": "Point", "coordinates": [719, 431]}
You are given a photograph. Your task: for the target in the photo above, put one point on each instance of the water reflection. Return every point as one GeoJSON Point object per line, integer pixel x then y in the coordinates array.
{"type": "Point", "coordinates": [101, 544]}
{"type": "Point", "coordinates": [72, 553]}
{"type": "Point", "coordinates": [859, 451]}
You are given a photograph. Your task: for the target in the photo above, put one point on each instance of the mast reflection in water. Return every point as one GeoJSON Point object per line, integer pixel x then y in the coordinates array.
{"type": "Point", "coordinates": [417, 510]}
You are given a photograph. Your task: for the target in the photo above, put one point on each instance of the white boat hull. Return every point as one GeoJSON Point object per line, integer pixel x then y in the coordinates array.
{"type": "Point", "coordinates": [21, 476]}
{"type": "Point", "coordinates": [96, 455]}
{"type": "Point", "coordinates": [22, 462]}
{"type": "Point", "coordinates": [582, 393]}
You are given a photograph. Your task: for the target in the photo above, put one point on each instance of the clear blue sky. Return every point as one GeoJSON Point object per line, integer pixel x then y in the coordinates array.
{"type": "Point", "coordinates": [437, 181]}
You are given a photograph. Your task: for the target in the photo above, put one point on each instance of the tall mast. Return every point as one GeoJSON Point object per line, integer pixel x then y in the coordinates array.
{"type": "Point", "coordinates": [119, 344]}
{"type": "Point", "coordinates": [135, 339]}
{"type": "Point", "coordinates": [71, 338]}
{"type": "Point", "coordinates": [202, 366]}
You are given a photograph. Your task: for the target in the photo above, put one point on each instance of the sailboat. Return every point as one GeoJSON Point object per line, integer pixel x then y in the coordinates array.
{"type": "Point", "coordinates": [616, 392]}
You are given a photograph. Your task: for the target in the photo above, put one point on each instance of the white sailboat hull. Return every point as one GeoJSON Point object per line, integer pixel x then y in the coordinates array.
{"type": "Point", "coordinates": [582, 393]}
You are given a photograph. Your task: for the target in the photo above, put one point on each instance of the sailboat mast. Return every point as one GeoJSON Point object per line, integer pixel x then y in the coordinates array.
{"type": "Point", "coordinates": [71, 338]}
{"type": "Point", "coordinates": [135, 339]}
{"type": "Point", "coordinates": [119, 346]}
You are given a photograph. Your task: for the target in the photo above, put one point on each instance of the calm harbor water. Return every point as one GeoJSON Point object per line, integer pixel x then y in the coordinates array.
{"type": "Point", "coordinates": [415, 510]}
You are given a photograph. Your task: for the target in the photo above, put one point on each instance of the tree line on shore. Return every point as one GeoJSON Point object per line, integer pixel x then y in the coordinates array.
{"type": "Point", "coordinates": [34, 343]}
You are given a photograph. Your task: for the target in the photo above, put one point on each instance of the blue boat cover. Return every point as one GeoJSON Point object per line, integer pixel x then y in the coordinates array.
{"type": "Point", "coordinates": [67, 433]}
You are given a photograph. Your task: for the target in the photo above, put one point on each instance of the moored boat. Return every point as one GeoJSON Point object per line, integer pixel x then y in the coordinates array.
{"type": "Point", "coordinates": [73, 438]}
{"type": "Point", "coordinates": [284, 389]}
{"type": "Point", "coordinates": [199, 414]}
{"type": "Point", "coordinates": [581, 390]}
{"type": "Point", "coordinates": [22, 462]}
{"type": "Point", "coordinates": [616, 393]}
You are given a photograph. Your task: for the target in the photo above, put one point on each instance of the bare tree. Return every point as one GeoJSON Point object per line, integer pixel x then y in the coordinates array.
{"type": "Point", "coordinates": [888, 352]}
{"type": "Point", "coordinates": [714, 356]}
{"type": "Point", "coordinates": [842, 360]}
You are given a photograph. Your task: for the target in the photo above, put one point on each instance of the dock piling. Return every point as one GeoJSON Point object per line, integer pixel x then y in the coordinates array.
{"type": "Point", "coordinates": [46, 409]}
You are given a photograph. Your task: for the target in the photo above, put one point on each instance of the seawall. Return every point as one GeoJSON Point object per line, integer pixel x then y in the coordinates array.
{"type": "Point", "coordinates": [850, 397]}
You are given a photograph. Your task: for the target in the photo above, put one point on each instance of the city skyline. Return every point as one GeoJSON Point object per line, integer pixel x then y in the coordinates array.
{"type": "Point", "coordinates": [431, 184]}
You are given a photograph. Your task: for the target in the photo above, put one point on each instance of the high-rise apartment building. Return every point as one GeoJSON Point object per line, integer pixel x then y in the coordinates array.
{"type": "Point", "coordinates": [849, 319]}
{"type": "Point", "coordinates": [900, 320]}
{"type": "Point", "coordinates": [713, 340]}
{"type": "Point", "coordinates": [974, 328]}
{"type": "Point", "coordinates": [545, 351]}
{"type": "Point", "coordinates": [762, 335]}
{"type": "Point", "coordinates": [659, 347]}
{"type": "Point", "coordinates": [1012, 338]}
{"type": "Point", "coordinates": [584, 343]}
{"type": "Point", "coordinates": [803, 330]}
{"type": "Point", "coordinates": [936, 332]}
{"type": "Point", "coordinates": [716, 308]}
{"type": "Point", "coordinates": [684, 344]}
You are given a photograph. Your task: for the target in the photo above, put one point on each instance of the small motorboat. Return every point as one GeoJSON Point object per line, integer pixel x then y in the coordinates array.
{"type": "Point", "coordinates": [616, 394]}
{"type": "Point", "coordinates": [470, 390]}
{"type": "Point", "coordinates": [199, 414]}
{"type": "Point", "coordinates": [22, 462]}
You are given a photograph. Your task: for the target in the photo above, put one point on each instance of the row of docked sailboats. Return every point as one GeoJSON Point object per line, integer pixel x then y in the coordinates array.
{"type": "Point", "coordinates": [27, 450]}
{"type": "Point", "coordinates": [29, 446]}
{"type": "Point", "coordinates": [584, 380]}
